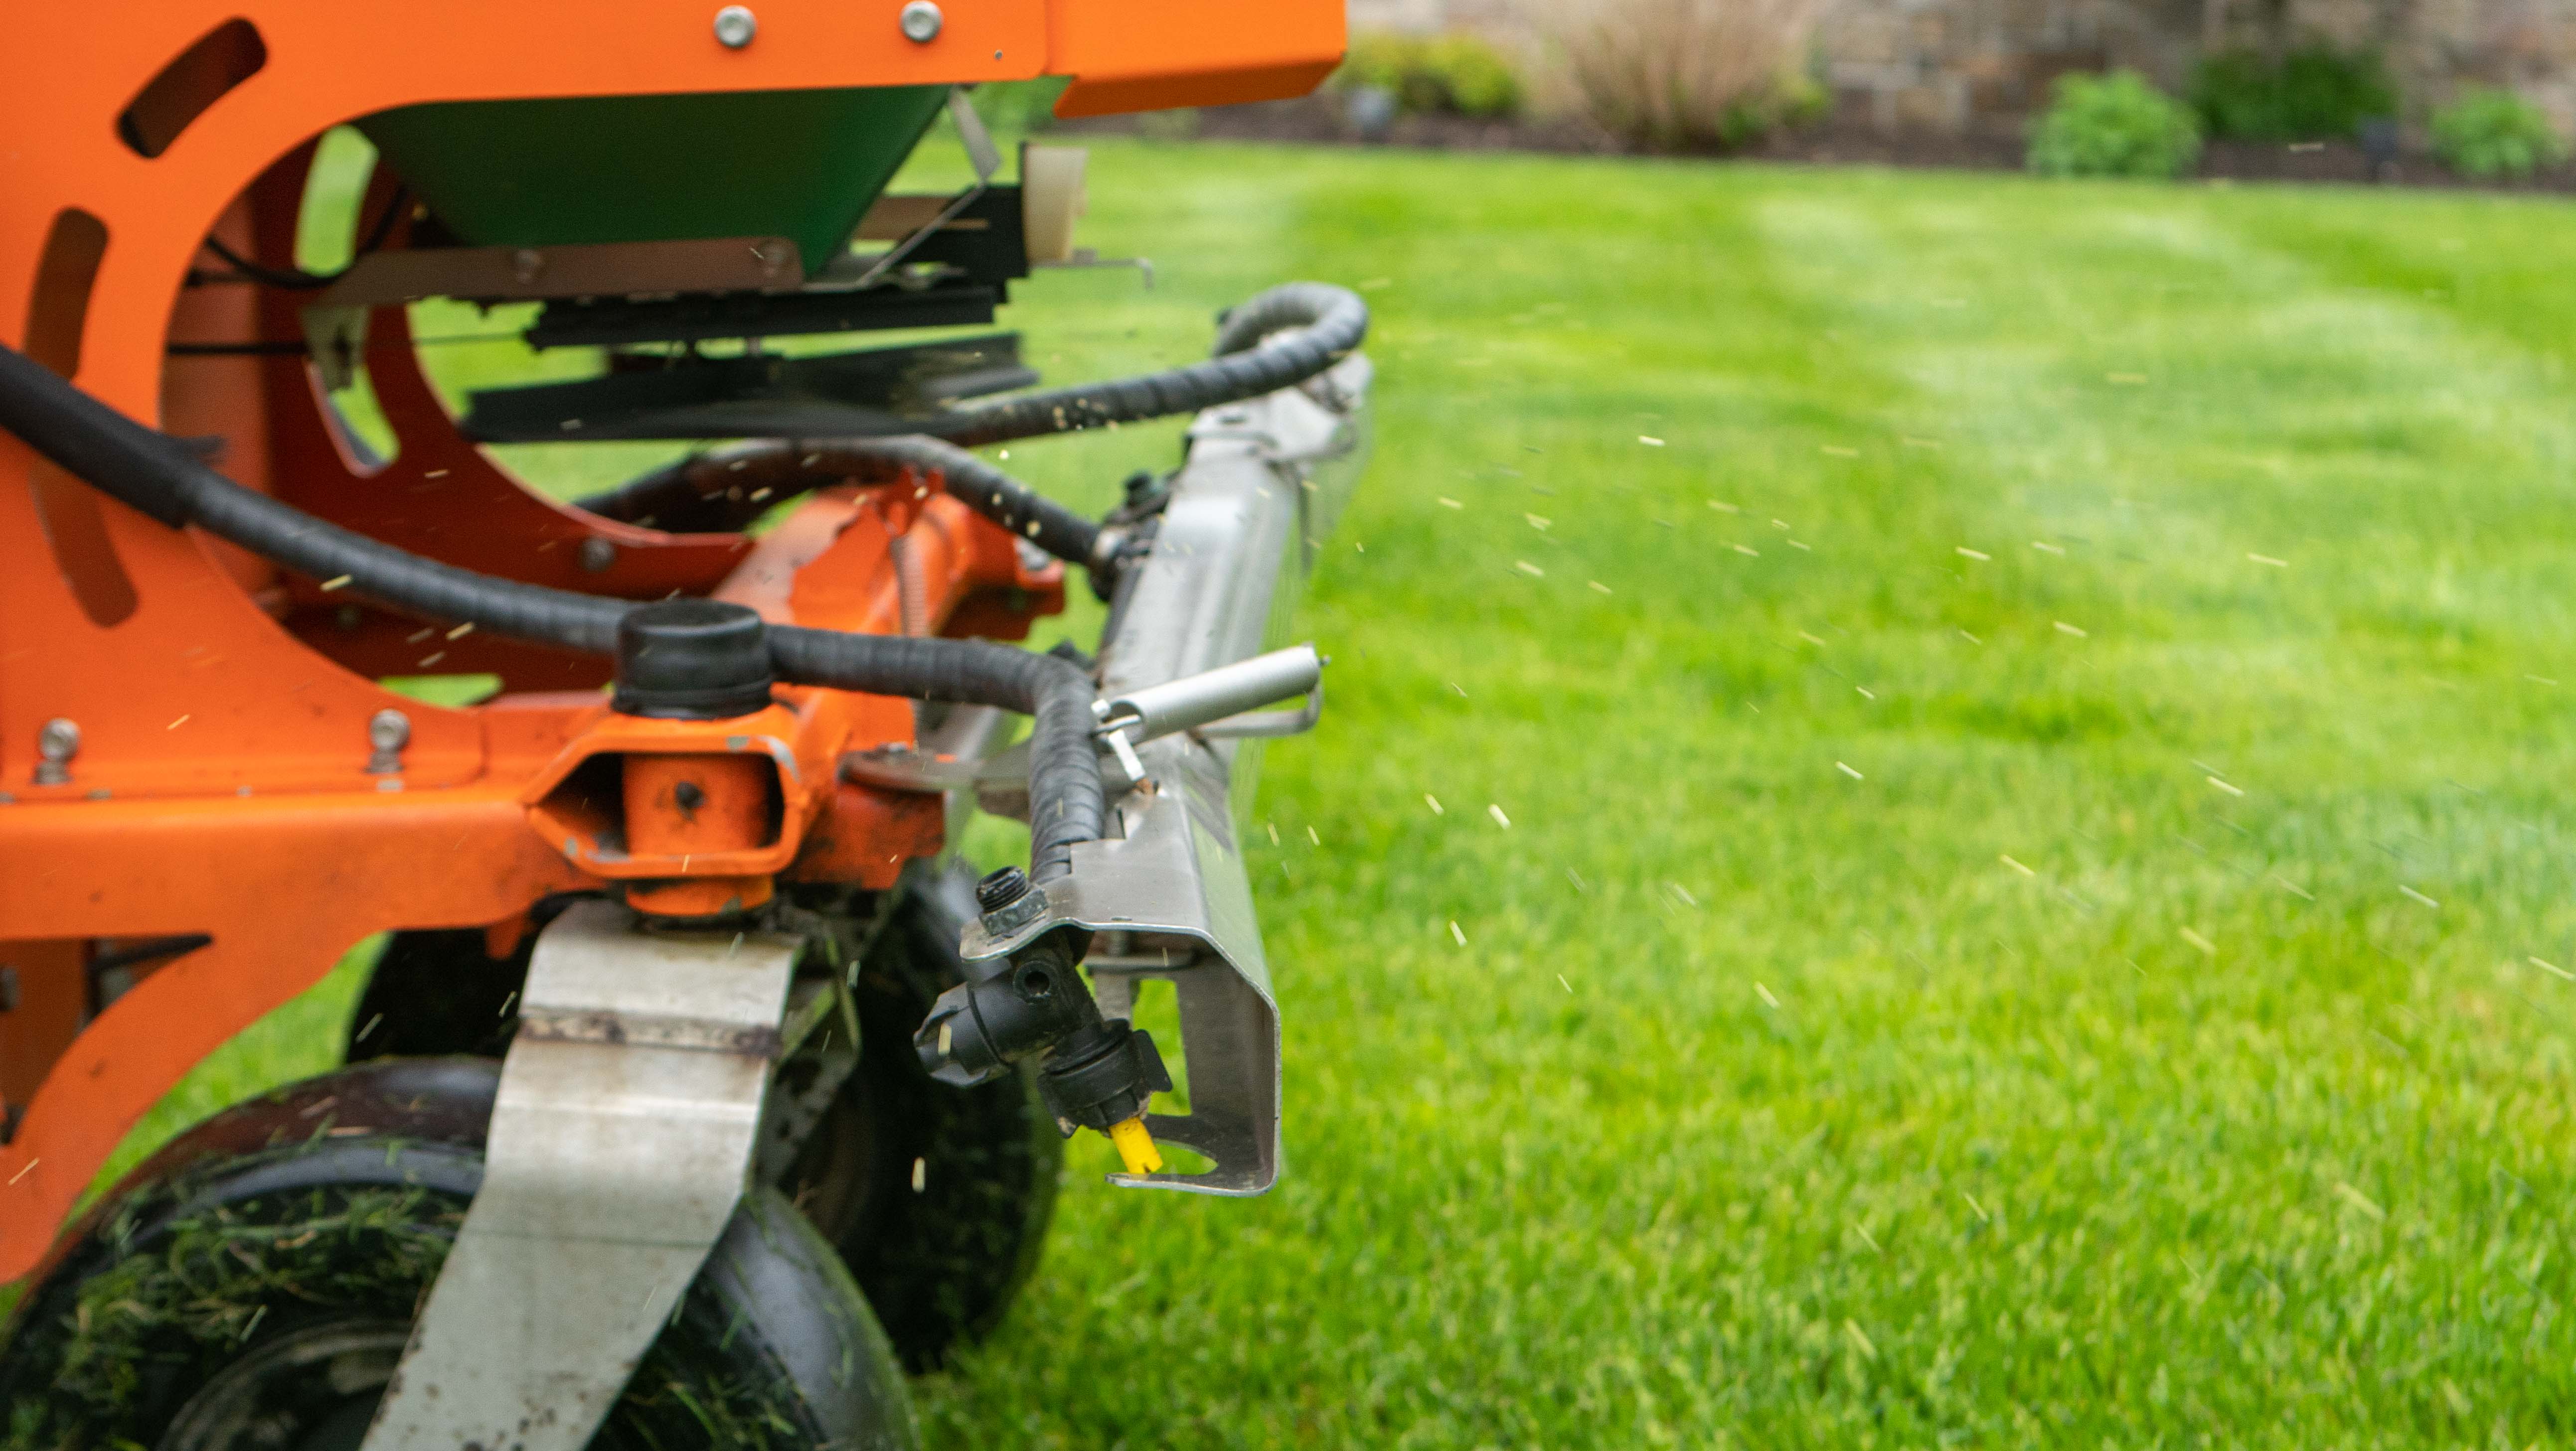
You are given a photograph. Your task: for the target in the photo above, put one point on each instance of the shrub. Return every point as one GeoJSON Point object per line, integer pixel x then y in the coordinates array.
{"type": "Point", "coordinates": [2114, 125]}
{"type": "Point", "coordinates": [1676, 74]}
{"type": "Point", "coordinates": [1479, 81]}
{"type": "Point", "coordinates": [1380, 58]}
{"type": "Point", "coordinates": [2310, 95]}
{"type": "Point", "coordinates": [2489, 133]}
{"type": "Point", "coordinates": [1456, 74]}
{"type": "Point", "coordinates": [1019, 106]}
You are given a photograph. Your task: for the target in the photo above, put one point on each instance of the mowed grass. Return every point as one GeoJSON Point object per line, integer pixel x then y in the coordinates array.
{"type": "Point", "coordinates": [2033, 722]}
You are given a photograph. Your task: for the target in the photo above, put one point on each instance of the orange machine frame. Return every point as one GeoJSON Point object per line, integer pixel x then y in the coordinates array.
{"type": "Point", "coordinates": [221, 785]}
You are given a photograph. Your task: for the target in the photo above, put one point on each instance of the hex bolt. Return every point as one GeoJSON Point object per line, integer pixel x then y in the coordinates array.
{"type": "Point", "coordinates": [388, 731]}
{"type": "Point", "coordinates": [1000, 889]}
{"type": "Point", "coordinates": [56, 744]}
{"type": "Point", "coordinates": [597, 555]}
{"type": "Point", "coordinates": [921, 22]}
{"type": "Point", "coordinates": [735, 26]}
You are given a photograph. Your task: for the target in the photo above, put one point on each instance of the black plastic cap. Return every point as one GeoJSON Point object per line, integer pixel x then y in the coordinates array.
{"type": "Point", "coordinates": [692, 660]}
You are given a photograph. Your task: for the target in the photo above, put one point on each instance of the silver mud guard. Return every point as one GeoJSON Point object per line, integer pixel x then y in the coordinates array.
{"type": "Point", "coordinates": [1168, 896]}
{"type": "Point", "coordinates": [628, 1113]}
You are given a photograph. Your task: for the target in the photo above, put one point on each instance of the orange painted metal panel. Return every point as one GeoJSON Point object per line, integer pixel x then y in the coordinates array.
{"type": "Point", "coordinates": [1142, 55]}
{"type": "Point", "coordinates": [284, 884]}
{"type": "Point", "coordinates": [863, 835]}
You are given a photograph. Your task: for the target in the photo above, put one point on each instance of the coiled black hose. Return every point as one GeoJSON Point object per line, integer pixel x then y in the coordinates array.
{"type": "Point", "coordinates": [1282, 337]}
{"type": "Point", "coordinates": [1279, 338]}
{"type": "Point", "coordinates": [712, 492]}
{"type": "Point", "coordinates": [152, 472]}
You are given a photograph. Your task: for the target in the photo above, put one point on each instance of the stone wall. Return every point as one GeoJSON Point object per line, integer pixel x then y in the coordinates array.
{"type": "Point", "coordinates": [1963, 65]}
{"type": "Point", "coordinates": [1984, 65]}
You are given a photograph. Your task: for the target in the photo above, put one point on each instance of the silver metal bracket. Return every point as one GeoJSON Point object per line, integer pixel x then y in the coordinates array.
{"type": "Point", "coordinates": [628, 1112]}
{"type": "Point", "coordinates": [1192, 649]}
{"type": "Point", "coordinates": [1173, 880]}
{"type": "Point", "coordinates": [1212, 704]}
{"type": "Point", "coordinates": [1268, 724]}
{"type": "Point", "coordinates": [1221, 702]}
{"type": "Point", "coordinates": [980, 153]}
{"type": "Point", "coordinates": [1083, 259]}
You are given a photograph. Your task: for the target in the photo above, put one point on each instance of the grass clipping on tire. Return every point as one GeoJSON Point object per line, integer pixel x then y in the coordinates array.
{"type": "Point", "coordinates": [204, 1286]}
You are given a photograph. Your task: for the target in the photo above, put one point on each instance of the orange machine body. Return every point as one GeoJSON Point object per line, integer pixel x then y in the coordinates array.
{"type": "Point", "coordinates": [225, 785]}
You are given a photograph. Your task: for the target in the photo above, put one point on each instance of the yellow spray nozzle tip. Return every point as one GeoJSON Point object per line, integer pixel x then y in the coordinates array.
{"type": "Point", "coordinates": [1136, 1146]}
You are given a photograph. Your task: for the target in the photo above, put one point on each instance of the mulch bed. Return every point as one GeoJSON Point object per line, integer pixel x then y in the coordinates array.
{"type": "Point", "coordinates": [1842, 141]}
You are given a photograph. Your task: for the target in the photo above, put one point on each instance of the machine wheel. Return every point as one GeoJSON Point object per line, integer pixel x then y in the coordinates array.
{"type": "Point", "coordinates": [940, 1264]}
{"type": "Point", "coordinates": [253, 1285]}
{"type": "Point", "coordinates": [938, 1198]}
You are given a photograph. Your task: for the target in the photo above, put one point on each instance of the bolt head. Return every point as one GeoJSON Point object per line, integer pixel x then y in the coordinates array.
{"type": "Point", "coordinates": [388, 730]}
{"type": "Point", "coordinates": [526, 263]}
{"type": "Point", "coordinates": [735, 26]}
{"type": "Point", "coordinates": [59, 740]}
{"type": "Point", "coordinates": [597, 555]}
{"type": "Point", "coordinates": [921, 22]}
{"type": "Point", "coordinates": [1000, 889]}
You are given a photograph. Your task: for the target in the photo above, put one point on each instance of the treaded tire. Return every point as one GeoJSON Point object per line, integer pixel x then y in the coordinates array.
{"type": "Point", "coordinates": [943, 1262]}
{"type": "Point", "coordinates": [941, 1266]}
{"type": "Point", "coordinates": [310, 1223]}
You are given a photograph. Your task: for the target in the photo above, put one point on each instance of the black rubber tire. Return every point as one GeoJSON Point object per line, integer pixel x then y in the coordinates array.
{"type": "Point", "coordinates": [942, 1263]}
{"type": "Point", "coordinates": [308, 1224]}
{"type": "Point", "coordinates": [940, 1266]}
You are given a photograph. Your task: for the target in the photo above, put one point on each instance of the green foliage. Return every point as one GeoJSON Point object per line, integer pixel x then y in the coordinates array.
{"type": "Point", "coordinates": [1795, 99]}
{"type": "Point", "coordinates": [1456, 74]}
{"type": "Point", "coordinates": [1479, 79]}
{"type": "Point", "coordinates": [2313, 94]}
{"type": "Point", "coordinates": [2114, 125]}
{"type": "Point", "coordinates": [2490, 132]}
{"type": "Point", "coordinates": [1019, 107]}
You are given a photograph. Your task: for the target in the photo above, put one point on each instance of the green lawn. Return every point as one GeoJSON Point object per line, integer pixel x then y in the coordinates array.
{"type": "Point", "coordinates": [2030, 718]}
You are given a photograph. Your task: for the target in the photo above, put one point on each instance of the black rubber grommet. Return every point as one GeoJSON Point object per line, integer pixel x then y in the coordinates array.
{"type": "Point", "coordinates": [692, 660]}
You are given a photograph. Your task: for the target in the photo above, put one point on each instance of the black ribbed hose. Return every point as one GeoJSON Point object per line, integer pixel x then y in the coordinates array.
{"type": "Point", "coordinates": [712, 492]}
{"type": "Point", "coordinates": [153, 473]}
{"type": "Point", "coordinates": [1280, 338]}
{"type": "Point", "coordinates": [1066, 802]}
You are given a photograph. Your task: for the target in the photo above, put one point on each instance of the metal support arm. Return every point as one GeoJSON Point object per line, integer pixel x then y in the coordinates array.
{"type": "Point", "coordinates": [1169, 895]}
{"type": "Point", "coordinates": [628, 1110]}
